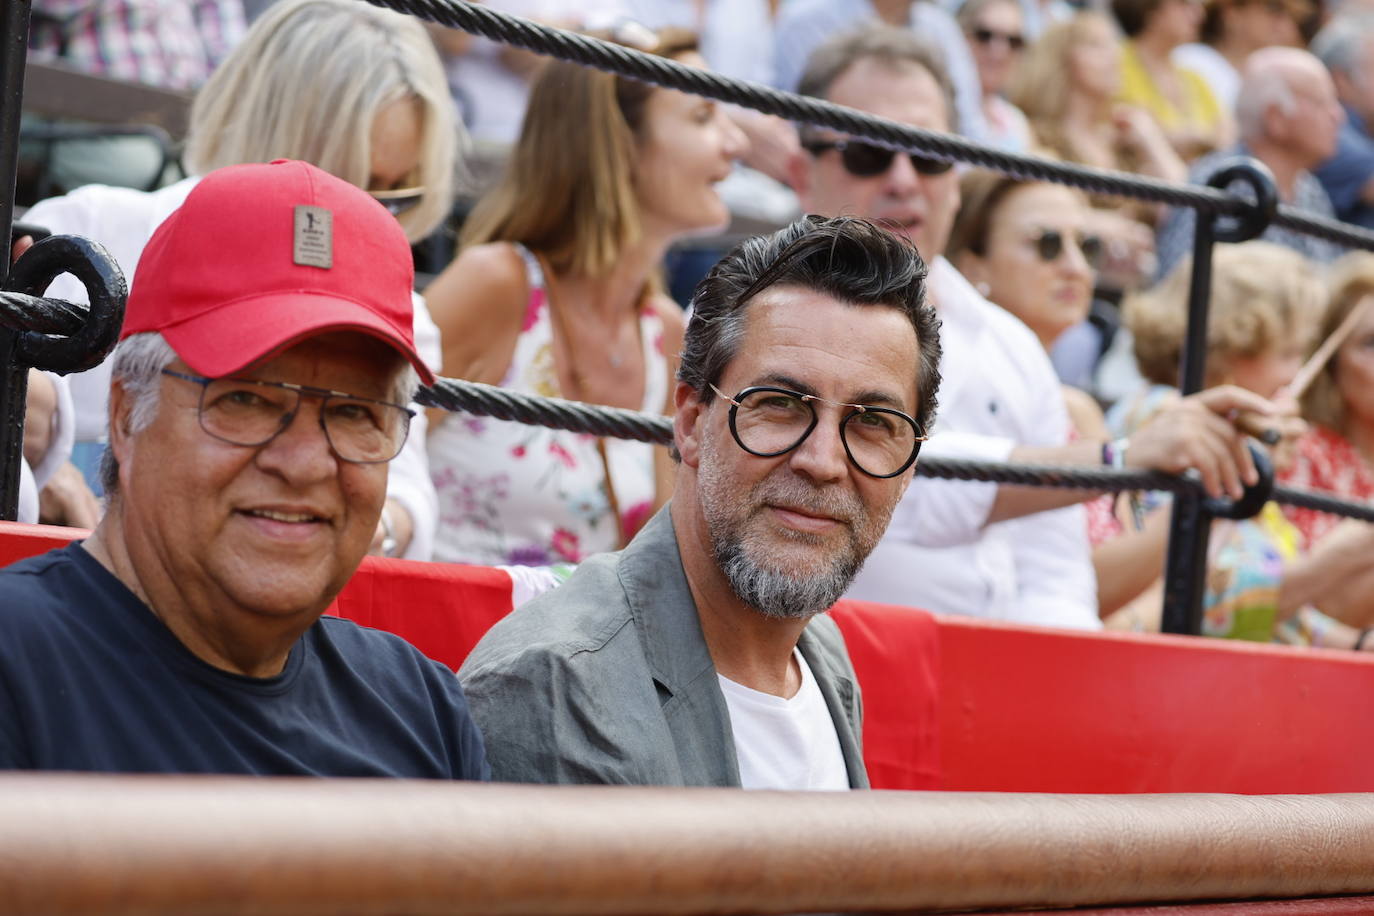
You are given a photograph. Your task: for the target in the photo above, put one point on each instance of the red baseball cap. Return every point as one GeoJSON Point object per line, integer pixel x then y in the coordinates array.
{"type": "Point", "coordinates": [260, 257]}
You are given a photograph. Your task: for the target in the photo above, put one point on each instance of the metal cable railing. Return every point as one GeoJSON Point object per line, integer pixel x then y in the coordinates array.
{"type": "Point", "coordinates": [616, 422]}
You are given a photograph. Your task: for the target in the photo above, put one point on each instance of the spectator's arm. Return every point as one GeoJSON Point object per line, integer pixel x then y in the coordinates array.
{"type": "Point", "coordinates": [1193, 432]}
{"type": "Point", "coordinates": [1334, 576]}
{"type": "Point", "coordinates": [478, 302]}
{"type": "Point", "coordinates": [665, 469]}
{"type": "Point", "coordinates": [1128, 564]}
{"type": "Point", "coordinates": [39, 416]}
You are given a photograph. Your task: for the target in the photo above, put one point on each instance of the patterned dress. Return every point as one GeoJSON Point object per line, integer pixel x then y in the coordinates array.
{"type": "Point", "coordinates": [511, 494]}
{"type": "Point", "coordinates": [1326, 461]}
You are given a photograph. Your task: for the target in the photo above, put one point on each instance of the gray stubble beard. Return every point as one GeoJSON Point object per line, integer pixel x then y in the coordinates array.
{"type": "Point", "coordinates": [776, 593]}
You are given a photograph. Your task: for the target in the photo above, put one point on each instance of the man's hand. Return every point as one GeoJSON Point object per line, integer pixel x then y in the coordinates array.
{"type": "Point", "coordinates": [21, 245]}
{"type": "Point", "coordinates": [1199, 432]}
{"type": "Point", "coordinates": [66, 500]}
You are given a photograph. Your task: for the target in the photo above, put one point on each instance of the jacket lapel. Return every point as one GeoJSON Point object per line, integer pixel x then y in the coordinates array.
{"type": "Point", "coordinates": [660, 601]}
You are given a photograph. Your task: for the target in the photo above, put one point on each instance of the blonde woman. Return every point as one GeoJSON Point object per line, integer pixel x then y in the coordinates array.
{"type": "Point", "coordinates": [1067, 85]}
{"type": "Point", "coordinates": [1263, 582]}
{"type": "Point", "coordinates": [358, 91]}
{"type": "Point", "coordinates": [555, 293]}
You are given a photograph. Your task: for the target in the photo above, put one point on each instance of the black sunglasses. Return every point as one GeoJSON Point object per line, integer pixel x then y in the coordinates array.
{"type": "Point", "coordinates": [1049, 244]}
{"type": "Point", "coordinates": [863, 160]}
{"type": "Point", "coordinates": [987, 36]}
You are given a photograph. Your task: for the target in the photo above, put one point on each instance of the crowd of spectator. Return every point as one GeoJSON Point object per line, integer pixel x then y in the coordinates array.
{"type": "Point", "coordinates": [1061, 312]}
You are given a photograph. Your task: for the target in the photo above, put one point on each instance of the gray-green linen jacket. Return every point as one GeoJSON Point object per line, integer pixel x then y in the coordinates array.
{"type": "Point", "coordinates": [607, 679]}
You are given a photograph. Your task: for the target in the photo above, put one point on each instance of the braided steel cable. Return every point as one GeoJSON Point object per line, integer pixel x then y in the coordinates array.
{"type": "Point", "coordinates": [575, 416]}
{"type": "Point", "coordinates": [593, 419]}
{"type": "Point", "coordinates": [1323, 502]}
{"type": "Point", "coordinates": [660, 71]}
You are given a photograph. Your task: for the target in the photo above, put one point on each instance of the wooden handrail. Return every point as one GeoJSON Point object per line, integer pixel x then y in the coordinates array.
{"type": "Point", "coordinates": [86, 844]}
{"type": "Point", "coordinates": [57, 91]}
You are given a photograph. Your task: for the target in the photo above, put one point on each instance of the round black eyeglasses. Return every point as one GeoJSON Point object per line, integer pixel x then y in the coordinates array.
{"type": "Point", "coordinates": [252, 413]}
{"type": "Point", "coordinates": [767, 422]}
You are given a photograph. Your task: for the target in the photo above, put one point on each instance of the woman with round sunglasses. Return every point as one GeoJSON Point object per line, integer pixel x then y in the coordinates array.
{"type": "Point", "coordinates": [1066, 85]}
{"type": "Point", "coordinates": [996, 36]}
{"type": "Point", "coordinates": [556, 292]}
{"type": "Point", "coordinates": [356, 90]}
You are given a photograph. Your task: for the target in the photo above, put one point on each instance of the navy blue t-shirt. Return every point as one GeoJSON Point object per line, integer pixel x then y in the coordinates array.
{"type": "Point", "coordinates": [91, 680]}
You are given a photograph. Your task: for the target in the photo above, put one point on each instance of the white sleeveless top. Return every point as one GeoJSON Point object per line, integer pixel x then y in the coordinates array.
{"type": "Point", "coordinates": [511, 494]}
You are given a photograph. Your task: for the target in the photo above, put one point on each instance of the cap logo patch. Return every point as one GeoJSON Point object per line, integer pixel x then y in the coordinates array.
{"type": "Point", "coordinates": [314, 237]}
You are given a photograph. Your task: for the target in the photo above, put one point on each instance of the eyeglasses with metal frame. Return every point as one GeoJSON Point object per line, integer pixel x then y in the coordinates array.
{"type": "Point", "coordinates": [767, 421]}
{"type": "Point", "coordinates": [252, 413]}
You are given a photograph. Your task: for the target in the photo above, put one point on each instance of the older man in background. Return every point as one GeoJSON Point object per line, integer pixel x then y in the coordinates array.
{"type": "Point", "coordinates": [1288, 116]}
{"type": "Point", "coordinates": [259, 390]}
{"type": "Point", "coordinates": [1004, 552]}
{"type": "Point", "coordinates": [1346, 46]}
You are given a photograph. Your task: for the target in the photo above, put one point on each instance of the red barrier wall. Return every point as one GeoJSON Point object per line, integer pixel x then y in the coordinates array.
{"type": "Point", "coordinates": [956, 703]}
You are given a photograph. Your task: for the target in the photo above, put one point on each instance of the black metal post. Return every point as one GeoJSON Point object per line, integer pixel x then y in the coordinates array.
{"type": "Point", "coordinates": [14, 378]}
{"type": "Point", "coordinates": [1185, 569]}
{"type": "Point", "coordinates": [1185, 566]}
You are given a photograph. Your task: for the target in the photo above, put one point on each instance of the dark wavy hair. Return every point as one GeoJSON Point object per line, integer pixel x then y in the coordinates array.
{"type": "Point", "coordinates": [845, 257]}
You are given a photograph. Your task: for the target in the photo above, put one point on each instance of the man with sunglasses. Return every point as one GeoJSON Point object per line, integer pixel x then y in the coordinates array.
{"type": "Point", "coordinates": [699, 655]}
{"type": "Point", "coordinates": [1001, 399]}
{"type": "Point", "coordinates": [259, 391]}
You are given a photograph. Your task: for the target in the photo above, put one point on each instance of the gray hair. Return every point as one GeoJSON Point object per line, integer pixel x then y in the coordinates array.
{"type": "Point", "coordinates": [1340, 45]}
{"type": "Point", "coordinates": [1263, 86]}
{"type": "Point", "coordinates": [137, 365]}
{"type": "Point", "coordinates": [307, 83]}
{"type": "Point", "coordinates": [892, 47]}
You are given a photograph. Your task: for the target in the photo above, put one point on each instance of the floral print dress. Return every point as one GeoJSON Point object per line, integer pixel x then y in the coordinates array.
{"type": "Point", "coordinates": [511, 494]}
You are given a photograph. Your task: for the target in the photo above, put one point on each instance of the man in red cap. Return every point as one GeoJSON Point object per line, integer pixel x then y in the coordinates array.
{"type": "Point", "coordinates": [259, 390]}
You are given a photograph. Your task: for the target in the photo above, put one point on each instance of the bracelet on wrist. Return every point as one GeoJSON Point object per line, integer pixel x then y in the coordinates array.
{"type": "Point", "coordinates": [1114, 453]}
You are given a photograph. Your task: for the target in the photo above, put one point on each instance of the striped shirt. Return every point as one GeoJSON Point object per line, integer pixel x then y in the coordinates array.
{"type": "Point", "coordinates": [174, 45]}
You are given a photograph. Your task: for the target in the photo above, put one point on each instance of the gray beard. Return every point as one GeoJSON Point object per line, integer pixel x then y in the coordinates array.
{"type": "Point", "coordinates": [782, 595]}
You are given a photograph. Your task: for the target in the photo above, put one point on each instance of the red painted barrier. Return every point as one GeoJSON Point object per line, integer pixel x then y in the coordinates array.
{"type": "Point", "coordinates": [955, 703]}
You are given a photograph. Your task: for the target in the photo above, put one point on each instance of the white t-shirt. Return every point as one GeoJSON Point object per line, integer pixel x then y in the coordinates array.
{"type": "Point", "coordinates": [782, 743]}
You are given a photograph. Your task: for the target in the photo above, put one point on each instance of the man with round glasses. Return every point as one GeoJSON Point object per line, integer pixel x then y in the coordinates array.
{"type": "Point", "coordinates": [700, 655]}
{"type": "Point", "coordinates": [259, 390]}
{"type": "Point", "coordinates": [1013, 553]}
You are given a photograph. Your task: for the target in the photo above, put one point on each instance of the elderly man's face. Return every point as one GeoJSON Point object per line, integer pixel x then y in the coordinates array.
{"type": "Point", "coordinates": [265, 530]}
{"type": "Point", "coordinates": [790, 532]}
{"type": "Point", "coordinates": [921, 207]}
{"type": "Point", "coordinates": [1312, 127]}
